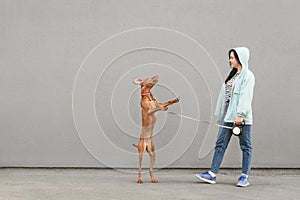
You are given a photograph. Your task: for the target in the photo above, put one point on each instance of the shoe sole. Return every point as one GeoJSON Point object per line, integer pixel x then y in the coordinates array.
{"type": "Point", "coordinates": [205, 180]}
{"type": "Point", "coordinates": [240, 185]}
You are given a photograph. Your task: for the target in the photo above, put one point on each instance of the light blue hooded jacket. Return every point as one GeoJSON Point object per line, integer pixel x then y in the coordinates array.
{"type": "Point", "coordinates": [242, 92]}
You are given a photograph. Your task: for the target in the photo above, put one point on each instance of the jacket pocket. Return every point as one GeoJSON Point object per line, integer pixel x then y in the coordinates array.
{"type": "Point", "coordinates": [237, 90]}
{"type": "Point", "coordinates": [235, 97]}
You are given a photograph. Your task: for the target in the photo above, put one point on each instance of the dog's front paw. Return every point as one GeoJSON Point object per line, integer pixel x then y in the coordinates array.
{"type": "Point", "coordinates": [177, 99]}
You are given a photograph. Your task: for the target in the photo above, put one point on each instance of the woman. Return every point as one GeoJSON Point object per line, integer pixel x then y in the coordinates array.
{"type": "Point", "coordinates": [234, 106]}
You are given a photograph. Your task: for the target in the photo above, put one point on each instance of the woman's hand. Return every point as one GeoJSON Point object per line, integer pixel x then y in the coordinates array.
{"type": "Point", "coordinates": [238, 120]}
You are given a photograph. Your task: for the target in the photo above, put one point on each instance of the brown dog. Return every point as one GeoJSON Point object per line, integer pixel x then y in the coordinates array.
{"type": "Point", "coordinates": [149, 107]}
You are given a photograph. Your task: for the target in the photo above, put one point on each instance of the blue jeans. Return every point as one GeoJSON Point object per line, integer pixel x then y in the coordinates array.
{"type": "Point", "coordinates": [223, 139]}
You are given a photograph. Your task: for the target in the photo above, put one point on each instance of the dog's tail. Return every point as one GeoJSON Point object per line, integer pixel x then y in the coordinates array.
{"type": "Point", "coordinates": [135, 145]}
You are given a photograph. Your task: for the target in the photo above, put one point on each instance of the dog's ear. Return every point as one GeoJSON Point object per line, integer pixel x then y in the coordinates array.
{"type": "Point", "coordinates": [137, 81]}
{"type": "Point", "coordinates": [155, 77]}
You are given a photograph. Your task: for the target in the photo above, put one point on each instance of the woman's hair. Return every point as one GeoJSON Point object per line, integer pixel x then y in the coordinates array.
{"type": "Point", "coordinates": [234, 70]}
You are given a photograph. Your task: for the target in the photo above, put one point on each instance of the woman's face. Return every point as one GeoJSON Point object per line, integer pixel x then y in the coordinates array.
{"type": "Point", "coordinates": [233, 61]}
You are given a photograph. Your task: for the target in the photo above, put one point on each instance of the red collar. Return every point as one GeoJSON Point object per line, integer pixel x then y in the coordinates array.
{"type": "Point", "coordinates": [145, 94]}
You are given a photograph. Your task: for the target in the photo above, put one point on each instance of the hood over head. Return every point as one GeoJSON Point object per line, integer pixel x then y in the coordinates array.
{"type": "Point", "coordinates": [243, 54]}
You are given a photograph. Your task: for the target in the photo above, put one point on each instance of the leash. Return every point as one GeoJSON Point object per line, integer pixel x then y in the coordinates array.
{"type": "Point", "coordinates": [198, 120]}
{"type": "Point", "coordinates": [236, 129]}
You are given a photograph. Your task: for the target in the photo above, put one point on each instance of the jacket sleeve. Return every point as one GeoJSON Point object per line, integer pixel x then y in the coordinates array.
{"type": "Point", "coordinates": [246, 95]}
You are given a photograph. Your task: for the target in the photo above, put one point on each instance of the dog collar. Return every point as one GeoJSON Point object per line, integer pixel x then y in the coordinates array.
{"type": "Point", "coordinates": [144, 94]}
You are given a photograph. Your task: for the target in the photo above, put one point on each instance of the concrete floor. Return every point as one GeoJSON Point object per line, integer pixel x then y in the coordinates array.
{"type": "Point", "coordinates": [22, 183]}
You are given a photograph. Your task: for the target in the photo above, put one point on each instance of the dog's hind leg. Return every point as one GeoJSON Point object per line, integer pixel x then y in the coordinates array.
{"type": "Point", "coordinates": [152, 161]}
{"type": "Point", "coordinates": [141, 149]}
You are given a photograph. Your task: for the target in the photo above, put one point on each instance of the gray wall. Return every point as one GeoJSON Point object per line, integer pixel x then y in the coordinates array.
{"type": "Point", "coordinates": [66, 67]}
